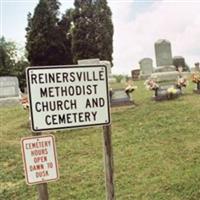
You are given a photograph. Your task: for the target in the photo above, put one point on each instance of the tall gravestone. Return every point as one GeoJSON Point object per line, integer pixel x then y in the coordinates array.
{"type": "Point", "coordinates": [165, 73]}
{"type": "Point", "coordinates": [163, 53]}
{"type": "Point", "coordinates": [146, 68]}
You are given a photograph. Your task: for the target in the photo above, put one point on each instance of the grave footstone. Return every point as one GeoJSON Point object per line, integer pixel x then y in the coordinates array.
{"type": "Point", "coordinates": [119, 98]}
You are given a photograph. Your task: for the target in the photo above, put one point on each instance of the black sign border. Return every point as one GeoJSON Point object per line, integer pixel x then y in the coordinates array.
{"type": "Point", "coordinates": [66, 66]}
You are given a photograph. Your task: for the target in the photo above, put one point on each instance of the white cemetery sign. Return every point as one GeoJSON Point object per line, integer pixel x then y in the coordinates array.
{"type": "Point", "coordinates": [68, 97]}
{"type": "Point", "coordinates": [39, 156]}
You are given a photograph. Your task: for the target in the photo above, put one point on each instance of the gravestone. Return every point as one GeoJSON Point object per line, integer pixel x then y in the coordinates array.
{"type": "Point", "coordinates": [107, 63]}
{"type": "Point", "coordinates": [146, 68]}
{"type": "Point", "coordinates": [118, 97]}
{"type": "Point", "coordinates": [135, 74]}
{"type": "Point", "coordinates": [197, 67]}
{"type": "Point", "coordinates": [9, 86]}
{"type": "Point", "coordinates": [180, 61]}
{"type": "Point", "coordinates": [163, 53]}
{"type": "Point", "coordinates": [197, 70]}
{"type": "Point", "coordinates": [89, 61]}
{"type": "Point", "coordinates": [165, 74]}
{"type": "Point", "coordinates": [98, 61]}
{"type": "Point", "coordinates": [9, 90]}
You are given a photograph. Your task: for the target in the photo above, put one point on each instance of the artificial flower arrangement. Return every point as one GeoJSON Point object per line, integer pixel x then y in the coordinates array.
{"type": "Point", "coordinates": [182, 82]}
{"type": "Point", "coordinates": [172, 90]}
{"type": "Point", "coordinates": [151, 84]}
{"type": "Point", "coordinates": [130, 88]}
{"type": "Point", "coordinates": [24, 102]}
{"type": "Point", "coordinates": [196, 77]}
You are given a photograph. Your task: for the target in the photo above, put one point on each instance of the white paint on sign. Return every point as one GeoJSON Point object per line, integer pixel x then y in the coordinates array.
{"type": "Point", "coordinates": [68, 96]}
{"type": "Point", "coordinates": [39, 157]}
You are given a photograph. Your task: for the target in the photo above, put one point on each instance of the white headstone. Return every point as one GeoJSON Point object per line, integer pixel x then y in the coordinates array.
{"type": "Point", "coordinates": [9, 86]}
{"type": "Point", "coordinates": [92, 61]}
{"type": "Point", "coordinates": [146, 66]}
{"type": "Point", "coordinates": [96, 61]}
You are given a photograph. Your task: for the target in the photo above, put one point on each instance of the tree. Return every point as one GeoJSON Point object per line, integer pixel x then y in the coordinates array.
{"type": "Point", "coordinates": [65, 26]}
{"type": "Point", "coordinates": [104, 30]}
{"type": "Point", "coordinates": [44, 37]}
{"type": "Point", "coordinates": [7, 57]}
{"type": "Point", "coordinates": [20, 72]}
{"type": "Point", "coordinates": [118, 78]}
{"type": "Point", "coordinates": [54, 6]}
{"type": "Point", "coordinates": [93, 30]}
{"type": "Point", "coordinates": [13, 61]}
{"type": "Point", "coordinates": [83, 37]}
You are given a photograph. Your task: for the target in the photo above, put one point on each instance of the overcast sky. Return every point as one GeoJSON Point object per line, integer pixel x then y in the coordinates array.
{"type": "Point", "coordinates": [137, 25]}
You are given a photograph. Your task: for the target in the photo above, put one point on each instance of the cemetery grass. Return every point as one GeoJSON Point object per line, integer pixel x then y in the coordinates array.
{"type": "Point", "coordinates": [156, 149]}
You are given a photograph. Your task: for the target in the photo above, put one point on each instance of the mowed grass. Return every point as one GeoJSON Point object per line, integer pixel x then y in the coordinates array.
{"type": "Point", "coordinates": [156, 148]}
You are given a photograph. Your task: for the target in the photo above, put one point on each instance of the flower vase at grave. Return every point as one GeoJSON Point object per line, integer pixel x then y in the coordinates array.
{"type": "Point", "coordinates": [198, 85]}
{"type": "Point", "coordinates": [156, 92]}
{"type": "Point", "coordinates": [170, 95]}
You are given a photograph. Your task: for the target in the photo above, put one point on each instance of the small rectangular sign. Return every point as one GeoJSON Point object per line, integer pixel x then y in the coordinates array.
{"type": "Point", "coordinates": [62, 97]}
{"type": "Point", "coordinates": [39, 157]}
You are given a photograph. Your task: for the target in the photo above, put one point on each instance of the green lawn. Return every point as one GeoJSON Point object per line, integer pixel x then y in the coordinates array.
{"type": "Point", "coordinates": [156, 149]}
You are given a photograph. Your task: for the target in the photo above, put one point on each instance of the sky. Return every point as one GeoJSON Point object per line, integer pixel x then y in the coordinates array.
{"type": "Point", "coordinates": [138, 24]}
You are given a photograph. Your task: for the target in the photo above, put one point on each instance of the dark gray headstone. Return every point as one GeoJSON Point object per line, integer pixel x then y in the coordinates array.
{"type": "Point", "coordinates": [120, 98]}
{"type": "Point", "coordinates": [179, 61]}
{"type": "Point", "coordinates": [163, 94]}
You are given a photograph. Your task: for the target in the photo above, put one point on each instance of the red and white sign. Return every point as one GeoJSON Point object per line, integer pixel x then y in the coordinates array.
{"type": "Point", "coordinates": [39, 156]}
